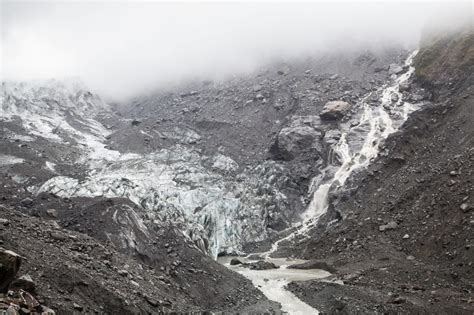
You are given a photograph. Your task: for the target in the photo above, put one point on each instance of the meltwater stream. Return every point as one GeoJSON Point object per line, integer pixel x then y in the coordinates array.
{"type": "Point", "coordinates": [272, 282]}
{"type": "Point", "coordinates": [381, 125]}
{"type": "Point", "coordinates": [378, 123]}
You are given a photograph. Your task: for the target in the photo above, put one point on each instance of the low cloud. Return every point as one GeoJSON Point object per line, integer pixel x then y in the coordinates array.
{"type": "Point", "coordinates": [124, 48]}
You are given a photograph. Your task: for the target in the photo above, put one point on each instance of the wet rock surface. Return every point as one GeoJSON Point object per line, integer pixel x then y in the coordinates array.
{"type": "Point", "coordinates": [260, 265]}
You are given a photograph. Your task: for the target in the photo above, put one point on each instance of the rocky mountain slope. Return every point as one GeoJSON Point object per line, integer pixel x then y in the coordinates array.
{"type": "Point", "coordinates": [403, 238]}
{"type": "Point", "coordinates": [121, 258]}
{"type": "Point", "coordinates": [220, 164]}
{"type": "Point", "coordinates": [122, 208]}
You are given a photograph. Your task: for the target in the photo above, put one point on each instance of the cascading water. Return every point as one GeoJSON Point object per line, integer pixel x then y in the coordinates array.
{"type": "Point", "coordinates": [374, 125]}
{"type": "Point", "coordinates": [378, 124]}
{"type": "Point", "coordinates": [381, 125]}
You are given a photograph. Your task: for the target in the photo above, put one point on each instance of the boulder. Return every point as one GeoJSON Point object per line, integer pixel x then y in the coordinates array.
{"type": "Point", "coordinates": [224, 163]}
{"type": "Point", "coordinates": [27, 202]}
{"type": "Point", "coordinates": [394, 97]}
{"type": "Point", "coordinates": [136, 122]}
{"type": "Point", "coordinates": [235, 261]}
{"type": "Point", "coordinates": [52, 213]}
{"type": "Point", "coordinates": [292, 141]}
{"type": "Point", "coordinates": [404, 87]}
{"type": "Point", "coordinates": [314, 264]}
{"type": "Point", "coordinates": [261, 265]}
{"type": "Point", "coordinates": [58, 236]}
{"type": "Point", "coordinates": [257, 87]}
{"type": "Point", "coordinates": [25, 283]}
{"type": "Point", "coordinates": [389, 226]}
{"type": "Point", "coordinates": [77, 307]}
{"type": "Point", "coordinates": [395, 69]}
{"type": "Point", "coordinates": [465, 207]}
{"type": "Point", "coordinates": [9, 265]}
{"type": "Point", "coordinates": [312, 121]}
{"type": "Point", "coordinates": [332, 136]}
{"type": "Point", "coordinates": [334, 110]}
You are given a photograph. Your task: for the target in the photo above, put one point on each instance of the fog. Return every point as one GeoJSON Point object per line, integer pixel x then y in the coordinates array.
{"type": "Point", "coordinates": [120, 49]}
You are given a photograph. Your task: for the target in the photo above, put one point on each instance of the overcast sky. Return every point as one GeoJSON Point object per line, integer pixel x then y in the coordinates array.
{"type": "Point", "coordinates": [122, 48]}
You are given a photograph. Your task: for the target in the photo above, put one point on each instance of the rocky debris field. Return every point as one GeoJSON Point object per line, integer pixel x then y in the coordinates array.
{"type": "Point", "coordinates": [122, 208]}
{"type": "Point", "coordinates": [71, 271]}
{"type": "Point", "coordinates": [230, 162]}
{"type": "Point", "coordinates": [403, 238]}
{"type": "Point", "coordinates": [16, 296]}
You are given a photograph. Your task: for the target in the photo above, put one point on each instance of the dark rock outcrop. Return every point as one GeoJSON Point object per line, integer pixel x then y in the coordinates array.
{"type": "Point", "coordinates": [260, 265]}
{"type": "Point", "coordinates": [293, 141]}
{"type": "Point", "coordinates": [10, 263]}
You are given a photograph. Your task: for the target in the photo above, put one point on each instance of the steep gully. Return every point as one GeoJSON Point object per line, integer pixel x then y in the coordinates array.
{"type": "Point", "coordinates": [379, 124]}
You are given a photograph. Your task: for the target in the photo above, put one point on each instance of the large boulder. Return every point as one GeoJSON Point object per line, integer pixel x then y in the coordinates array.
{"type": "Point", "coordinates": [25, 283]}
{"type": "Point", "coordinates": [314, 264]}
{"type": "Point", "coordinates": [395, 69]}
{"type": "Point", "coordinates": [224, 163]}
{"type": "Point", "coordinates": [310, 120]}
{"type": "Point", "coordinates": [293, 141]}
{"type": "Point", "coordinates": [9, 265]}
{"type": "Point", "coordinates": [334, 110]}
{"type": "Point", "coordinates": [235, 261]}
{"type": "Point", "coordinates": [260, 265]}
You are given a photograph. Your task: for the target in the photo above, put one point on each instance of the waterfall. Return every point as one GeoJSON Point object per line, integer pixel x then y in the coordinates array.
{"type": "Point", "coordinates": [381, 125]}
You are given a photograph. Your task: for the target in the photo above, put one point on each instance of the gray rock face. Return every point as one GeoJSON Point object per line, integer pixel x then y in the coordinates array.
{"type": "Point", "coordinates": [9, 265]}
{"type": "Point", "coordinates": [260, 265]}
{"type": "Point", "coordinates": [334, 110]}
{"type": "Point", "coordinates": [394, 98]}
{"type": "Point", "coordinates": [314, 264]}
{"type": "Point", "coordinates": [293, 141]}
{"type": "Point", "coordinates": [224, 163]}
{"type": "Point", "coordinates": [404, 87]}
{"type": "Point", "coordinates": [332, 136]}
{"type": "Point", "coordinates": [25, 282]}
{"type": "Point", "coordinates": [395, 69]}
{"type": "Point", "coordinates": [52, 213]}
{"type": "Point", "coordinates": [389, 226]}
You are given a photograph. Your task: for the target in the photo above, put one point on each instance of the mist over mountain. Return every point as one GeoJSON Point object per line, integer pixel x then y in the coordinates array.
{"type": "Point", "coordinates": [122, 49]}
{"type": "Point", "coordinates": [237, 158]}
